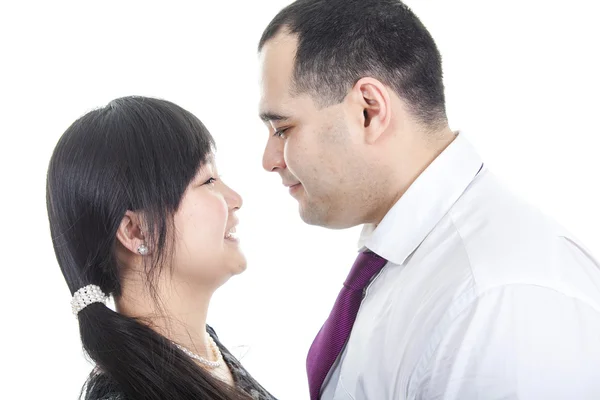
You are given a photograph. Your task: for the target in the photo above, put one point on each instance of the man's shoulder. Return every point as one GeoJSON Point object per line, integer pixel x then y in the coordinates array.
{"type": "Point", "coordinates": [507, 240]}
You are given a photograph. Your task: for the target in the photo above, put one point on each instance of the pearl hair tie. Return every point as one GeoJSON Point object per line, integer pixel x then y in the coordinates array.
{"type": "Point", "coordinates": [85, 296]}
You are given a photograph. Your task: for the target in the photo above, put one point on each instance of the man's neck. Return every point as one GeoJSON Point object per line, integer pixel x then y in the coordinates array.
{"type": "Point", "coordinates": [415, 159]}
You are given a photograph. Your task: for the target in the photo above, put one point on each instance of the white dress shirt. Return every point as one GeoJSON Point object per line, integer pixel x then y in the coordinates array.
{"type": "Point", "coordinates": [483, 297]}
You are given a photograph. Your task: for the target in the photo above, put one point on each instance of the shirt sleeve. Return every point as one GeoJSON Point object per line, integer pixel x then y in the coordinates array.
{"type": "Point", "coordinates": [521, 342]}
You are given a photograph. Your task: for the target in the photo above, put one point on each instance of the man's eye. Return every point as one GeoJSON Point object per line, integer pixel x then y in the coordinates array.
{"type": "Point", "coordinates": [280, 132]}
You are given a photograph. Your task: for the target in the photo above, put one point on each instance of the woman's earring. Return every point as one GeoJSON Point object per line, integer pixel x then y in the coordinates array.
{"type": "Point", "coordinates": [142, 249]}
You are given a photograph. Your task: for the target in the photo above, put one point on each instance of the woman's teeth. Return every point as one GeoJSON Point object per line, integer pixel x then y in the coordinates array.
{"type": "Point", "coordinates": [231, 234]}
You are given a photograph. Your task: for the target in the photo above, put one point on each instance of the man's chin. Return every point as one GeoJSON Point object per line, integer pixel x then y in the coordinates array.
{"type": "Point", "coordinates": [329, 220]}
{"type": "Point", "coordinates": [311, 215]}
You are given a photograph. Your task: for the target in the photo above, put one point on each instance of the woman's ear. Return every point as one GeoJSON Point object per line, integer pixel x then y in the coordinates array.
{"type": "Point", "coordinates": [131, 234]}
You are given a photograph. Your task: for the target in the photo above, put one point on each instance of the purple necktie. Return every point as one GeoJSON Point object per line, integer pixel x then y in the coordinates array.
{"type": "Point", "coordinates": [335, 332]}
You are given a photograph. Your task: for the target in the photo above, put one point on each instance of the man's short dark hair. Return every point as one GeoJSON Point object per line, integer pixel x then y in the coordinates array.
{"type": "Point", "coordinates": [342, 41]}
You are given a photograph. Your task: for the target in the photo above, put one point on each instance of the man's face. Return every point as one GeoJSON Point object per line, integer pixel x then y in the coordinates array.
{"type": "Point", "coordinates": [314, 149]}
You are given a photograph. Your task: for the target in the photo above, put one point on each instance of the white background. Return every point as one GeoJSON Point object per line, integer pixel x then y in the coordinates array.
{"type": "Point", "coordinates": [522, 83]}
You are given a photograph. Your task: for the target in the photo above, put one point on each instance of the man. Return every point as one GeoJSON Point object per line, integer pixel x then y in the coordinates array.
{"type": "Point", "coordinates": [460, 290]}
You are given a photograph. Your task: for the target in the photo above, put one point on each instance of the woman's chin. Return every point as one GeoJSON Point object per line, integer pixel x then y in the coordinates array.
{"type": "Point", "coordinates": [241, 266]}
{"type": "Point", "coordinates": [237, 265]}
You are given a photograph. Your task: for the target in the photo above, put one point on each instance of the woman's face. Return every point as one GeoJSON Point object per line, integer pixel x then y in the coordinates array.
{"type": "Point", "coordinates": [207, 251]}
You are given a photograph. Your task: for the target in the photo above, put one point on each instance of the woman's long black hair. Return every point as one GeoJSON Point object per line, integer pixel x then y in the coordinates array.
{"type": "Point", "coordinates": [136, 154]}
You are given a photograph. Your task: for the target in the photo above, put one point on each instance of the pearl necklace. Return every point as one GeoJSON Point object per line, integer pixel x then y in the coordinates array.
{"type": "Point", "coordinates": [215, 350]}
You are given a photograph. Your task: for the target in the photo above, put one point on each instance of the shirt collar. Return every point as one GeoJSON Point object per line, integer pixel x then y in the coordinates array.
{"type": "Point", "coordinates": [424, 204]}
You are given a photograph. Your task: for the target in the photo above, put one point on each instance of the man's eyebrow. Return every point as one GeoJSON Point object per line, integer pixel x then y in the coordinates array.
{"type": "Point", "coordinates": [270, 116]}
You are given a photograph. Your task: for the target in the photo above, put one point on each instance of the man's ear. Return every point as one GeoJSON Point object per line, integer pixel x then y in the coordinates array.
{"type": "Point", "coordinates": [371, 99]}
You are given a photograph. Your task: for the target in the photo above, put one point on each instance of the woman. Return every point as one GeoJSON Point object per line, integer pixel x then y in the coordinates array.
{"type": "Point", "coordinates": [137, 211]}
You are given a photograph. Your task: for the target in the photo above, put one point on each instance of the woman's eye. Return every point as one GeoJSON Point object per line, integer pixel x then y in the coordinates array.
{"type": "Point", "coordinates": [210, 181]}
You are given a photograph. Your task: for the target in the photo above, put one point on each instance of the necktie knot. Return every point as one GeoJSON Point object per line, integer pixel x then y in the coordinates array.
{"type": "Point", "coordinates": [367, 265]}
